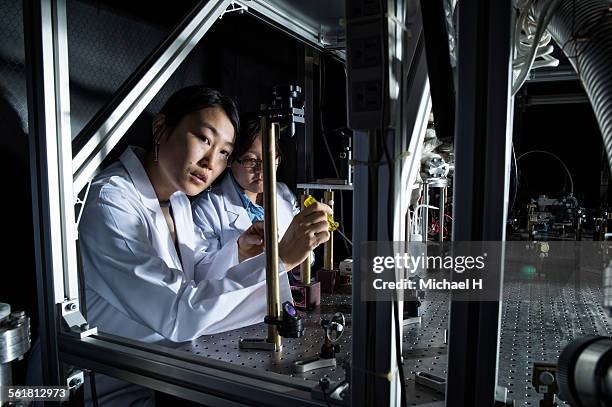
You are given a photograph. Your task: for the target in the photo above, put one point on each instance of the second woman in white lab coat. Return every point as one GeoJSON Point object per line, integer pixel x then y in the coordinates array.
{"type": "Point", "coordinates": [222, 214]}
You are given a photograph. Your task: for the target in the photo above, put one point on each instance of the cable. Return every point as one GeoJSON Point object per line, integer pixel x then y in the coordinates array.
{"type": "Point", "coordinates": [344, 236]}
{"type": "Point", "coordinates": [558, 159]}
{"type": "Point", "coordinates": [530, 46]}
{"type": "Point", "coordinates": [538, 43]}
{"type": "Point", "coordinates": [514, 195]}
{"type": "Point", "coordinates": [417, 225]}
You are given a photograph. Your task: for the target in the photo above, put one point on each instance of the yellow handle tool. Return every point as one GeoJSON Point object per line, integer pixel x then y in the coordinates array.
{"type": "Point", "coordinates": [333, 225]}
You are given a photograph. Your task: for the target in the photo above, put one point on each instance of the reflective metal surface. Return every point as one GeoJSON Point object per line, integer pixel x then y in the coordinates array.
{"type": "Point", "coordinates": [14, 337]}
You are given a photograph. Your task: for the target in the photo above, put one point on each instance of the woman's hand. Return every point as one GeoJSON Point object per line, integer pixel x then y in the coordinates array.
{"type": "Point", "coordinates": [307, 230]}
{"type": "Point", "coordinates": [251, 242]}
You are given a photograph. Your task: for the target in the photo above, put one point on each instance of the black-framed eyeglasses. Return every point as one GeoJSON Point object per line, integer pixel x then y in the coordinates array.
{"type": "Point", "coordinates": [254, 162]}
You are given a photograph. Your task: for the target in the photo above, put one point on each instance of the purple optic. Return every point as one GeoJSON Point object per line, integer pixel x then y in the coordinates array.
{"type": "Point", "coordinates": [290, 310]}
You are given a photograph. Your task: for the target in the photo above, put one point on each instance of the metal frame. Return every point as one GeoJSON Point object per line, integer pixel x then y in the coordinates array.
{"type": "Point", "coordinates": [288, 24]}
{"type": "Point", "coordinates": [373, 327]}
{"type": "Point", "coordinates": [482, 168]}
{"type": "Point", "coordinates": [51, 171]}
{"type": "Point", "coordinates": [439, 66]}
{"type": "Point", "coordinates": [366, 349]}
{"type": "Point", "coordinates": [207, 381]}
{"type": "Point", "coordinates": [563, 99]}
{"type": "Point", "coordinates": [556, 75]}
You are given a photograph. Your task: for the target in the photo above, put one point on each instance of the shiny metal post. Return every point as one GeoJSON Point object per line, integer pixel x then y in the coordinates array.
{"type": "Point", "coordinates": [442, 204]}
{"type": "Point", "coordinates": [425, 211]}
{"type": "Point", "coordinates": [305, 270]}
{"type": "Point", "coordinates": [270, 132]}
{"type": "Point", "coordinates": [328, 248]}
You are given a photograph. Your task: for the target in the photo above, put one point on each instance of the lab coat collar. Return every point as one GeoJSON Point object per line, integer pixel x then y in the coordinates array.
{"type": "Point", "coordinates": [184, 234]}
{"type": "Point", "coordinates": [131, 160]}
{"type": "Point", "coordinates": [237, 215]}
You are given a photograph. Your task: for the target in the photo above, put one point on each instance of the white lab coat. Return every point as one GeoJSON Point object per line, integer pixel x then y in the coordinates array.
{"type": "Point", "coordinates": [136, 285]}
{"type": "Point", "coordinates": [220, 218]}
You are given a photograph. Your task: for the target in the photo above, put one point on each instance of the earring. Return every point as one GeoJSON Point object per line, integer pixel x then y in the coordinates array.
{"type": "Point", "coordinates": [156, 152]}
{"type": "Point", "coordinates": [157, 135]}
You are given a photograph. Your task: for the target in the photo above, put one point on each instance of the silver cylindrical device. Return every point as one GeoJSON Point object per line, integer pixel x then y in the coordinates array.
{"type": "Point", "coordinates": [425, 211]}
{"type": "Point", "coordinates": [14, 342]}
{"type": "Point", "coordinates": [442, 205]}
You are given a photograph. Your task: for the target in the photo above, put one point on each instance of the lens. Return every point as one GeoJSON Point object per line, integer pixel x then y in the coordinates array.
{"type": "Point", "coordinates": [289, 309]}
{"type": "Point", "coordinates": [585, 372]}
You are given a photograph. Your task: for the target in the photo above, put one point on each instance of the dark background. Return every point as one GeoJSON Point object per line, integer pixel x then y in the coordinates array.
{"type": "Point", "coordinates": [568, 130]}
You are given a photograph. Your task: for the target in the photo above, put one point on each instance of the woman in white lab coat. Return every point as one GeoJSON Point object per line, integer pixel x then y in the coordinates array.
{"type": "Point", "coordinates": [222, 214]}
{"type": "Point", "coordinates": [137, 238]}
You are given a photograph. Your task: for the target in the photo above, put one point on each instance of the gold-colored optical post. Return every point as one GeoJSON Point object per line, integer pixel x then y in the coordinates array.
{"type": "Point", "coordinates": [328, 248]}
{"type": "Point", "coordinates": [269, 133]}
{"type": "Point", "coordinates": [305, 266]}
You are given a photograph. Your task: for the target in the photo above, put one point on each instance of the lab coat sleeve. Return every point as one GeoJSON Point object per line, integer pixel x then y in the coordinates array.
{"type": "Point", "coordinates": [116, 246]}
{"type": "Point", "coordinates": [295, 205]}
{"type": "Point", "coordinates": [295, 208]}
{"type": "Point", "coordinates": [212, 258]}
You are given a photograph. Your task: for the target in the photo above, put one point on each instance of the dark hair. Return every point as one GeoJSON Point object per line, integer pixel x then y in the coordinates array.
{"type": "Point", "coordinates": [248, 133]}
{"type": "Point", "coordinates": [194, 98]}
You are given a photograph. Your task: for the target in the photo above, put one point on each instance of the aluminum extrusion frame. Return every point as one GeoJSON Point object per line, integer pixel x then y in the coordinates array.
{"type": "Point", "coordinates": [50, 171]}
